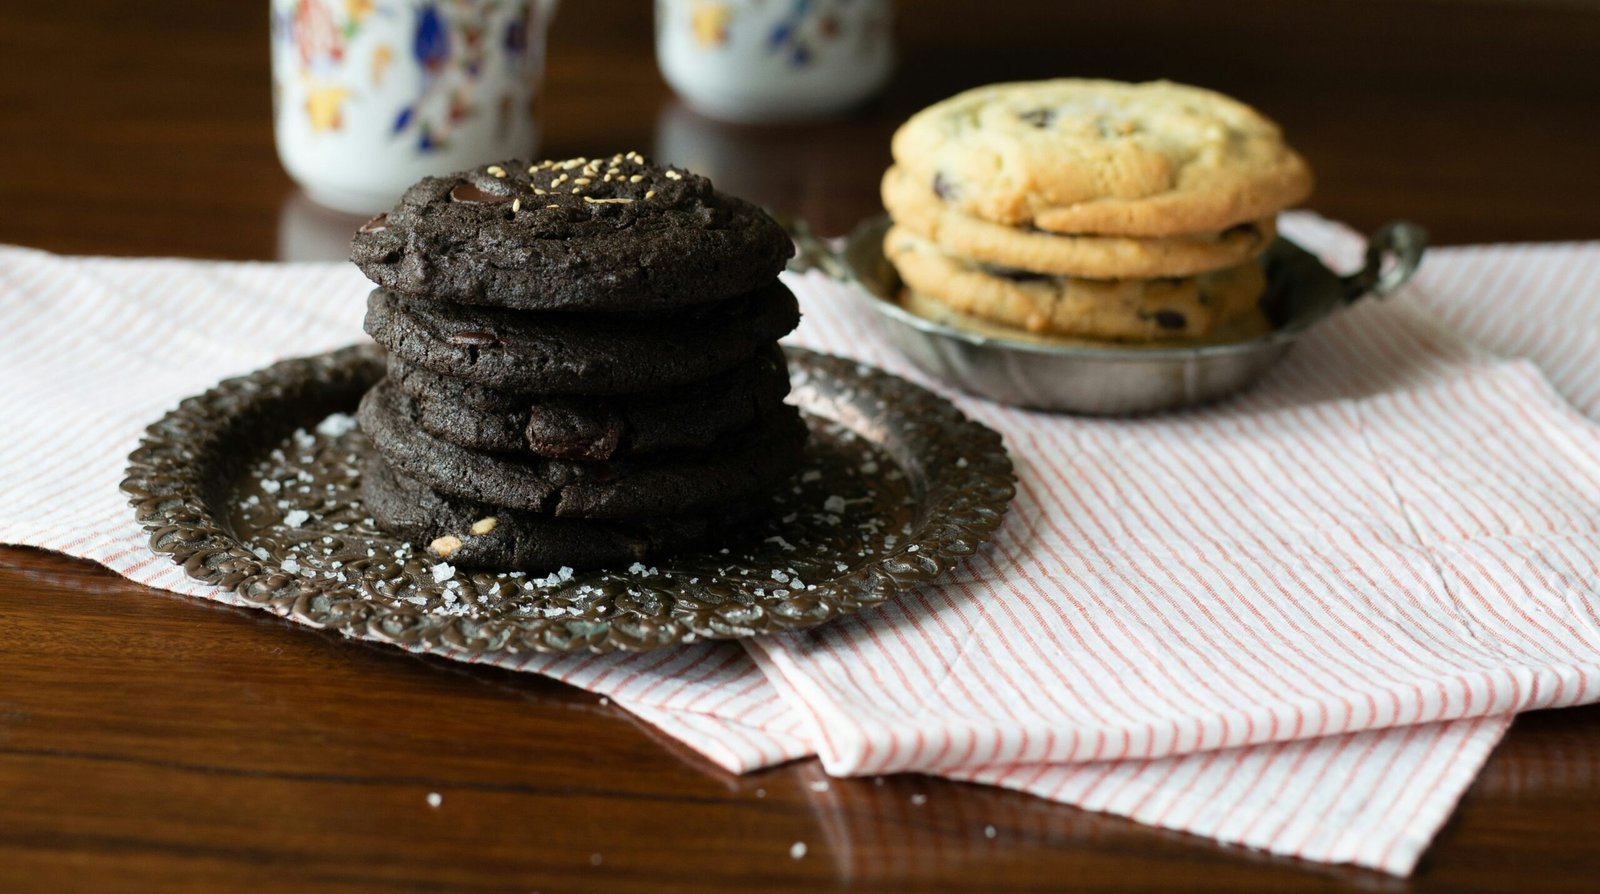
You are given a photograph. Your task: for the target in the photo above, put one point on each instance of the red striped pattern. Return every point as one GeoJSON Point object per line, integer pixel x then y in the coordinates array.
{"type": "Point", "coordinates": [1164, 587]}
{"type": "Point", "coordinates": [1395, 529]}
{"type": "Point", "coordinates": [94, 349]}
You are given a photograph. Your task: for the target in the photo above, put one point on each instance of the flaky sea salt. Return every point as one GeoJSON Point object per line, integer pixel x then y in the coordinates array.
{"type": "Point", "coordinates": [834, 504]}
{"type": "Point", "coordinates": [919, 800]}
{"type": "Point", "coordinates": [435, 799]}
{"type": "Point", "coordinates": [270, 485]}
{"type": "Point", "coordinates": [443, 572]}
{"type": "Point", "coordinates": [290, 566]}
{"type": "Point", "coordinates": [821, 785]}
{"type": "Point", "coordinates": [294, 518]}
{"type": "Point", "coordinates": [336, 425]}
{"type": "Point", "coordinates": [797, 850]}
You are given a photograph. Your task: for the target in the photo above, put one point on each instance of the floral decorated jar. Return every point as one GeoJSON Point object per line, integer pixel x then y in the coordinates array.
{"type": "Point", "coordinates": [370, 96]}
{"type": "Point", "coordinates": [774, 60]}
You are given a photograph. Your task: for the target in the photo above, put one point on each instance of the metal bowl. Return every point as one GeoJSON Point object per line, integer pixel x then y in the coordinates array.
{"type": "Point", "coordinates": [1104, 379]}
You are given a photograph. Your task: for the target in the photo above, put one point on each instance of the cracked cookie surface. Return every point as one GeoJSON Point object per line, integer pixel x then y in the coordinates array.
{"type": "Point", "coordinates": [1103, 157]}
{"type": "Point", "coordinates": [609, 234]}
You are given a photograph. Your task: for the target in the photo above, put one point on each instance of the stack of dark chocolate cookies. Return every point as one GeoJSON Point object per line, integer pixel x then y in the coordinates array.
{"type": "Point", "coordinates": [582, 368]}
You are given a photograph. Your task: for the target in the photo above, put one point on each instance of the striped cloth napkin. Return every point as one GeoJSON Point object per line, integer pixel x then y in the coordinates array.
{"type": "Point", "coordinates": [1204, 622]}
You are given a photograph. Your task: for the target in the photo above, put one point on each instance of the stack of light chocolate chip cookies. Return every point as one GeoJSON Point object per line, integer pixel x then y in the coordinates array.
{"type": "Point", "coordinates": [582, 363]}
{"type": "Point", "coordinates": [1087, 209]}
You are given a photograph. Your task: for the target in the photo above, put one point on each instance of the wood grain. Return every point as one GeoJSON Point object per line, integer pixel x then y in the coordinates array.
{"type": "Point", "coordinates": [154, 743]}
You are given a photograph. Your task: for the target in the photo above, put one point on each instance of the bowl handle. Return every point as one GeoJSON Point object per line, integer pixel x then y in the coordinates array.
{"type": "Point", "coordinates": [1400, 240]}
{"type": "Point", "coordinates": [812, 252]}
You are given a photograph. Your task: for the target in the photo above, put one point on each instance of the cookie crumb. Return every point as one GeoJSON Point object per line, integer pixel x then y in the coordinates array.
{"type": "Point", "coordinates": [485, 525]}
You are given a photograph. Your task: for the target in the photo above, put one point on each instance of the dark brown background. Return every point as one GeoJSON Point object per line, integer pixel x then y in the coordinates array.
{"type": "Point", "coordinates": [155, 743]}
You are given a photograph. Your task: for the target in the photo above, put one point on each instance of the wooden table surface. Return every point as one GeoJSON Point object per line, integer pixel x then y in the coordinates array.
{"type": "Point", "coordinates": [149, 742]}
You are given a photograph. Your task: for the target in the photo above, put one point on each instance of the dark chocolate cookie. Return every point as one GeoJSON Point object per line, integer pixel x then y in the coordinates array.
{"type": "Point", "coordinates": [559, 353]}
{"type": "Point", "coordinates": [593, 428]}
{"type": "Point", "coordinates": [477, 535]}
{"type": "Point", "coordinates": [615, 234]}
{"type": "Point", "coordinates": [741, 467]}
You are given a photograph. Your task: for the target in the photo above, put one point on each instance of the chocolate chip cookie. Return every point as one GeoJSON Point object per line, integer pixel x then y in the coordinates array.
{"type": "Point", "coordinates": [743, 466]}
{"type": "Point", "coordinates": [593, 428]}
{"type": "Point", "coordinates": [551, 352]}
{"type": "Point", "coordinates": [601, 234]}
{"type": "Point", "coordinates": [915, 207]}
{"type": "Point", "coordinates": [474, 534]}
{"type": "Point", "coordinates": [1110, 309]}
{"type": "Point", "coordinates": [1096, 157]}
